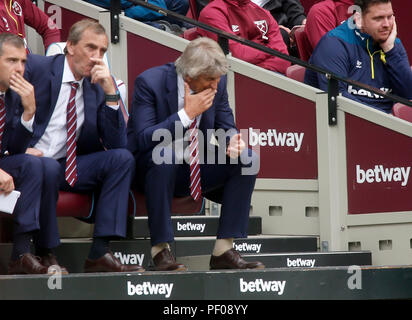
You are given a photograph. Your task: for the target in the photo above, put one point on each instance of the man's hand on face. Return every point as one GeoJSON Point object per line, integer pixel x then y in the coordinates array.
{"type": "Point", "coordinates": [196, 104]}
{"type": "Point", "coordinates": [390, 42]}
{"type": "Point", "coordinates": [100, 74]}
{"type": "Point", "coordinates": [26, 92]}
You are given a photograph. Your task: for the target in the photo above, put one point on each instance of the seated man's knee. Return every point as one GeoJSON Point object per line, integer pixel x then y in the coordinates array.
{"type": "Point", "coordinates": [51, 167]}
{"type": "Point", "coordinates": [163, 161]}
{"type": "Point", "coordinates": [121, 158]}
{"type": "Point", "coordinates": [31, 165]}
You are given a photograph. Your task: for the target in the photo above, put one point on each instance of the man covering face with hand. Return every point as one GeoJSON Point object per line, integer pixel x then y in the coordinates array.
{"type": "Point", "coordinates": [80, 137]}
{"type": "Point", "coordinates": [179, 104]}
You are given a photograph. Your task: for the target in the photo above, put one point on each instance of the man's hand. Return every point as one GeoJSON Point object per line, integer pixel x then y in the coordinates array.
{"type": "Point", "coordinates": [26, 92]}
{"type": "Point", "coordinates": [34, 152]}
{"type": "Point", "coordinates": [390, 42]}
{"type": "Point", "coordinates": [100, 74]}
{"type": "Point", "coordinates": [236, 146]}
{"type": "Point", "coordinates": [6, 182]}
{"type": "Point", "coordinates": [196, 104]}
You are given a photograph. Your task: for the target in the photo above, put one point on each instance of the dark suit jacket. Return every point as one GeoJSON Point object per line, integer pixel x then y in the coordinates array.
{"type": "Point", "coordinates": [103, 127]}
{"type": "Point", "coordinates": [155, 106]}
{"type": "Point", "coordinates": [16, 137]}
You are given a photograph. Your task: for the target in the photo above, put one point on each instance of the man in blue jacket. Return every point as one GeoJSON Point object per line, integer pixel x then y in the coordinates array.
{"type": "Point", "coordinates": [366, 49]}
{"type": "Point", "coordinates": [185, 103]}
{"type": "Point", "coordinates": [19, 171]}
{"type": "Point", "coordinates": [80, 137]}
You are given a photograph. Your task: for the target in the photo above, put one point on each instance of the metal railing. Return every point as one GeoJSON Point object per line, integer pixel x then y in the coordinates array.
{"type": "Point", "coordinates": [224, 37]}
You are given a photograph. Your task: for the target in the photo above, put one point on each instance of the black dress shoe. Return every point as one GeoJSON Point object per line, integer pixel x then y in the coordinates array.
{"type": "Point", "coordinates": [231, 259]}
{"type": "Point", "coordinates": [50, 260]}
{"type": "Point", "coordinates": [109, 263]}
{"type": "Point", "coordinates": [164, 261]}
{"type": "Point", "coordinates": [27, 264]}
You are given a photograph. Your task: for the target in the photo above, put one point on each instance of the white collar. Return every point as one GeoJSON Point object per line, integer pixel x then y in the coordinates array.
{"type": "Point", "coordinates": [68, 74]}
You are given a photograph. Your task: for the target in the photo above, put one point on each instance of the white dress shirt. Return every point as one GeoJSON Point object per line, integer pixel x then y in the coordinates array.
{"type": "Point", "coordinates": [53, 141]}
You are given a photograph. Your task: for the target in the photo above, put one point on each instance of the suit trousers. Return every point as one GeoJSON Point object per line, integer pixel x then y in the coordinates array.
{"type": "Point", "coordinates": [27, 173]}
{"type": "Point", "coordinates": [109, 173]}
{"type": "Point", "coordinates": [222, 183]}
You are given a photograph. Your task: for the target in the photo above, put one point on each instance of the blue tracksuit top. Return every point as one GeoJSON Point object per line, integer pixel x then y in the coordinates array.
{"type": "Point", "coordinates": [349, 53]}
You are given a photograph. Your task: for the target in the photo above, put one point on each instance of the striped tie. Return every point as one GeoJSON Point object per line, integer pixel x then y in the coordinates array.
{"type": "Point", "coordinates": [71, 166]}
{"type": "Point", "coordinates": [2, 117]}
{"type": "Point", "coordinates": [195, 187]}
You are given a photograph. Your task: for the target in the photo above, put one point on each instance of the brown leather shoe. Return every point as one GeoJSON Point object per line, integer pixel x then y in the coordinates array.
{"type": "Point", "coordinates": [27, 264]}
{"type": "Point", "coordinates": [50, 260]}
{"type": "Point", "coordinates": [231, 259]}
{"type": "Point", "coordinates": [109, 263]}
{"type": "Point", "coordinates": [164, 261]}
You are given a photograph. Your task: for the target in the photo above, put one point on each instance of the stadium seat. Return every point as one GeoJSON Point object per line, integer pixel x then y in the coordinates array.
{"type": "Point", "coordinates": [402, 111]}
{"type": "Point", "coordinates": [296, 72]}
{"type": "Point", "coordinates": [190, 34]}
{"type": "Point", "coordinates": [180, 206]}
{"type": "Point", "coordinates": [303, 44]}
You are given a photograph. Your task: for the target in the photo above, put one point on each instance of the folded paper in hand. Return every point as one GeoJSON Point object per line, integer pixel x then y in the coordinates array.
{"type": "Point", "coordinates": [8, 202]}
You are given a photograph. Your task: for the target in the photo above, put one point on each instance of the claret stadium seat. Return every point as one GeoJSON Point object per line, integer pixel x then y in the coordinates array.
{"type": "Point", "coordinates": [303, 44]}
{"type": "Point", "coordinates": [402, 111]}
{"type": "Point", "coordinates": [296, 72]}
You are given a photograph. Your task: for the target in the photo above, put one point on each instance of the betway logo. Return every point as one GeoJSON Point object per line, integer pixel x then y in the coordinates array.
{"type": "Point", "coordinates": [272, 138]}
{"type": "Point", "coordinates": [189, 226]}
{"type": "Point", "coordinates": [149, 289]}
{"type": "Point", "coordinates": [299, 262]}
{"type": "Point", "coordinates": [379, 174]}
{"type": "Point", "coordinates": [249, 247]}
{"type": "Point", "coordinates": [366, 93]}
{"type": "Point", "coordinates": [130, 258]}
{"type": "Point", "coordinates": [259, 285]}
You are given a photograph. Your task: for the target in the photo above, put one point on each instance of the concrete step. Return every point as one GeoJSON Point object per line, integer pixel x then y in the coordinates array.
{"type": "Point", "coordinates": [72, 253]}
{"type": "Point", "coordinates": [321, 283]}
{"type": "Point", "coordinates": [189, 246]}
{"type": "Point", "coordinates": [188, 226]}
{"type": "Point", "coordinates": [289, 260]}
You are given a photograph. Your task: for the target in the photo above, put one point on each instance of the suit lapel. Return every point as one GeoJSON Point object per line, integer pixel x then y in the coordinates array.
{"type": "Point", "coordinates": [171, 85]}
{"type": "Point", "coordinates": [43, 116]}
{"type": "Point", "coordinates": [56, 82]}
{"type": "Point", "coordinates": [90, 104]}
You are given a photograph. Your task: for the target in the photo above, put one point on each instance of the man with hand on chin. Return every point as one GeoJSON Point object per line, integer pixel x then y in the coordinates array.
{"type": "Point", "coordinates": [17, 169]}
{"type": "Point", "coordinates": [184, 101]}
{"type": "Point", "coordinates": [80, 137]}
{"type": "Point", "coordinates": [366, 49]}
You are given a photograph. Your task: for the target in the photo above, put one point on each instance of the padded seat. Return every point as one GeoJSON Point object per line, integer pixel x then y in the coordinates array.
{"type": "Point", "coordinates": [402, 111]}
{"type": "Point", "coordinates": [296, 72]}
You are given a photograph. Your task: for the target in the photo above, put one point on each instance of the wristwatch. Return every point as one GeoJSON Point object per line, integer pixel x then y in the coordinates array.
{"type": "Point", "coordinates": [112, 97]}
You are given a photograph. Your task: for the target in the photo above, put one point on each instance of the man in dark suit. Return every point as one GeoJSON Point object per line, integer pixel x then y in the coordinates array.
{"type": "Point", "coordinates": [18, 170]}
{"type": "Point", "coordinates": [190, 96]}
{"type": "Point", "coordinates": [80, 136]}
